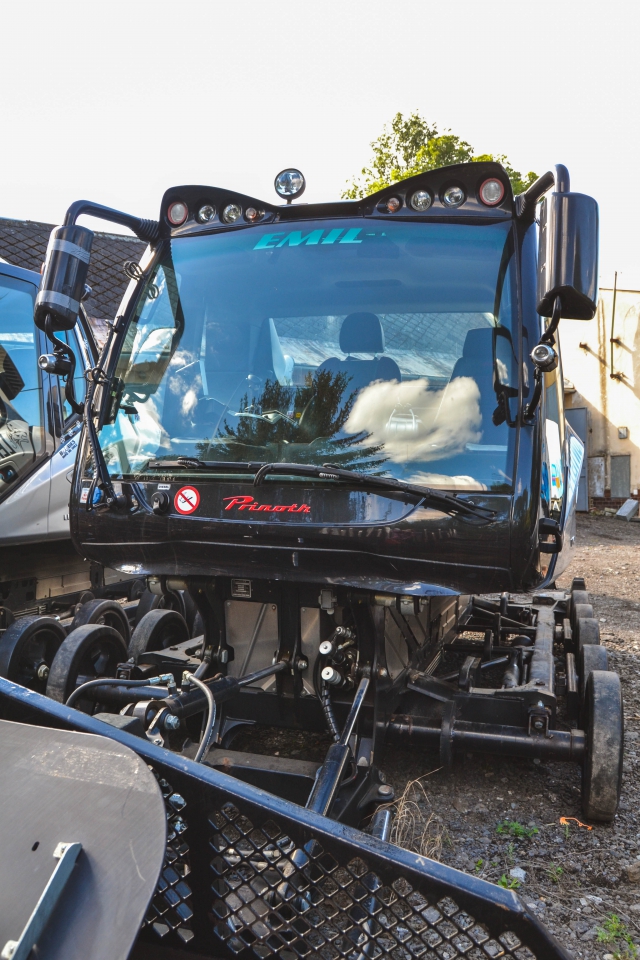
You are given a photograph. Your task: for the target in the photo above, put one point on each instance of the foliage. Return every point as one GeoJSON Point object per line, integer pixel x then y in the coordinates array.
{"type": "Point", "coordinates": [410, 146]}
{"type": "Point", "coordinates": [554, 873]}
{"type": "Point", "coordinates": [509, 883]}
{"type": "Point", "coordinates": [479, 864]}
{"type": "Point", "coordinates": [614, 931]}
{"type": "Point", "coordinates": [514, 829]}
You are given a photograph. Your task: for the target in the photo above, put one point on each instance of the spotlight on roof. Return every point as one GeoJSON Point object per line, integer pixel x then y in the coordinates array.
{"type": "Point", "coordinates": [289, 184]}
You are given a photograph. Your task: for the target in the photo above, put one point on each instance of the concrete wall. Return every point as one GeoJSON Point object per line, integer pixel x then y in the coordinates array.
{"type": "Point", "coordinates": [612, 403]}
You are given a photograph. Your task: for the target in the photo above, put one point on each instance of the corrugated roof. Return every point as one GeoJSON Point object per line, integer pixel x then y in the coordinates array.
{"type": "Point", "coordinates": [24, 243]}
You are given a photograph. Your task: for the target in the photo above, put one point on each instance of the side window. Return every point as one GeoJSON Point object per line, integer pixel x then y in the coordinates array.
{"type": "Point", "coordinates": [22, 434]}
{"type": "Point", "coordinates": [554, 438]}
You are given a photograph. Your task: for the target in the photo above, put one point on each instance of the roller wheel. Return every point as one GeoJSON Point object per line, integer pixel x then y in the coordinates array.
{"type": "Point", "coordinates": [602, 766]}
{"type": "Point", "coordinates": [89, 652]}
{"type": "Point", "coordinates": [151, 601]}
{"type": "Point", "coordinates": [198, 626]}
{"type": "Point", "coordinates": [592, 657]}
{"type": "Point", "coordinates": [158, 630]}
{"type": "Point", "coordinates": [581, 611]}
{"type": "Point", "coordinates": [27, 650]}
{"type": "Point", "coordinates": [587, 632]}
{"type": "Point", "coordinates": [103, 611]}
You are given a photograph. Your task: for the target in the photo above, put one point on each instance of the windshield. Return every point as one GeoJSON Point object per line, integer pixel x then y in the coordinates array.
{"type": "Point", "coordinates": [381, 347]}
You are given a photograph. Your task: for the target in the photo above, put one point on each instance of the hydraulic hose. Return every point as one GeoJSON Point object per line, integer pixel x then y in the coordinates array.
{"type": "Point", "coordinates": [211, 718]}
{"type": "Point", "coordinates": [158, 692]}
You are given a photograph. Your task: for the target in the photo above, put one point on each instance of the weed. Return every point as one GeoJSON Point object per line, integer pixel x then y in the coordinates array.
{"type": "Point", "coordinates": [554, 873]}
{"type": "Point", "coordinates": [510, 852]}
{"type": "Point", "coordinates": [479, 864]}
{"type": "Point", "coordinates": [566, 831]}
{"type": "Point", "coordinates": [514, 829]}
{"type": "Point", "coordinates": [413, 827]}
{"type": "Point", "coordinates": [613, 931]}
{"type": "Point", "coordinates": [509, 883]}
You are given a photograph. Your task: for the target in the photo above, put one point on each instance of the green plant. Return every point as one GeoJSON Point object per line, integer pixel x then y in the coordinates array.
{"type": "Point", "coordinates": [514, 829]}
{"type": "Point", "coordinates": [566, 831]}
{"type": "Point", "coordinates": [479, 864]}
{"type": "Point", "coordinates": [554, 873]}
{"type": "Point", "coordinates": [614, 931]}
{"type": "Point", "coordinates": [509, 883]}
{"type": "Point", "coordinates": [510, 852]}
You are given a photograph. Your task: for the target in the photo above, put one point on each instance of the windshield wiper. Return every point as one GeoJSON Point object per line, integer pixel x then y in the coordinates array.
{"type": "Point", "coordinates": [192, 463]}
{"type": "Point", "coordinates": [465, 509]}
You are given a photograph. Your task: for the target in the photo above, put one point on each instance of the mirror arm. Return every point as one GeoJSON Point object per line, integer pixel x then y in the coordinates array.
{"type": "Point", "coordinates": [526, 202]}
{"type": "Point", "coordinates": [547, 339]}
{"type": "Point", "coordinates": [146, 230]}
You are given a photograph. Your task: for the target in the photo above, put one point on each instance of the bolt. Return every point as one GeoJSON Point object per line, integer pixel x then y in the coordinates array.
{"type": "Point", "coordinates": [302, 664]}
{"type": "Point", "coordinates": [43, 671]}
{"type": "Point", "coordinates": [538, 725]}
{"type": "Point", "coordinates": [385, 790]}
{"type": "Point", "coordinates": [171, 722]}
{"type": "Point", "coordinates": [383, 672]}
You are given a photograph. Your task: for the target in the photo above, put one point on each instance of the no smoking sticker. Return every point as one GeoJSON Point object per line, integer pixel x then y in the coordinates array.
{"type": "Point", "coordinates": [187, 500]}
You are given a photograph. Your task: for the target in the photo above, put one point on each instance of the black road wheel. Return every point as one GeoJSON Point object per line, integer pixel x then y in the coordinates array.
{"type": "Point", "coordinates": [581, 611]}
{"type": "Point", "coordinates": [172, 600]}
{"type": "Point", "coordinates": [103, 611]}
{"type": "Point", "coordinates": [579, 596]}
{"type": "Point", "coordinates": [89, 652]}
{"type": "Point", "coordinates": [27, 650]}
{"type": "Point", "coordinates": [158, 630]}
{"type": "Point", "coordinates": [198, 626]}
{"type": "Point", "coordinates": [602, 766]}
{"type": "Point", "coordinates": [592, 657]}
{"type": "Point", "coordinates": [587, 632]}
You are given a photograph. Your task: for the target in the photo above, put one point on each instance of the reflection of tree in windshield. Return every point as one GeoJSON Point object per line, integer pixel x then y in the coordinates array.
{"type": "Point", "coordinates": [311, 416]}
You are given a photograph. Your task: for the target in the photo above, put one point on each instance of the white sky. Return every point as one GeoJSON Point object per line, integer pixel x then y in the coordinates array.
{"type": "Point", "coordinates": [116, 101]}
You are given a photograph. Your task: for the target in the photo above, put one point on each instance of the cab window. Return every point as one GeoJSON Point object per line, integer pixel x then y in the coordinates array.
{"type": "Point", "coordinates": [22, 433]}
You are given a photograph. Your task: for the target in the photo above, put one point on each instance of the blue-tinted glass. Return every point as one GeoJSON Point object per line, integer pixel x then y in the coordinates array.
{"type": "Point", "coordinates": [382, 346]}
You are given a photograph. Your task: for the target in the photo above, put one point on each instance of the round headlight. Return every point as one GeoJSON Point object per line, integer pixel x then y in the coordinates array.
{"type": "Point", "coordinates": [252, 214]}
{"type": "Point", "coordinates": [206, 213]}
{"type": "Point", "coordinates": [453, 196]}
{"type": "Point", "coordinates": [289, 183]}
{"type": "Point", "coordinates": [492, 192]}
{"type": "Point", "coordinates": [177, 213]}
{"type": "Point", "coordinates": [421, 200]}
{"type": "Point", "coordinates": [394, 204]}
{"type": "Point", "coordinates": [231, 213]}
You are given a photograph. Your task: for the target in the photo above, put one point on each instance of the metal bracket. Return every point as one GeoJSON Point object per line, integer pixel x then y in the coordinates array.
{"type": "Point", "coordinates": [66, 854]}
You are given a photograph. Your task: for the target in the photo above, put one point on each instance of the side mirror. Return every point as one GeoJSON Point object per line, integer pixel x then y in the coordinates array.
{"type": "Point", "coordinates": [64, 277]}
{"type": "Point", "coordinates": [568, 255]}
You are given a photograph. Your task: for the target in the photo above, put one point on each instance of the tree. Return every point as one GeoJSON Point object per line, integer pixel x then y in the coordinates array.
{"type": "Point", "coordinates": [410, 146]}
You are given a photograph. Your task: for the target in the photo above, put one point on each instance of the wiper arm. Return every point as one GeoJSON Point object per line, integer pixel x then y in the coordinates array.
{"type": "Point", "coordinates": [192, 463]}
{"type": "Point", "coordinates": [465, 509]}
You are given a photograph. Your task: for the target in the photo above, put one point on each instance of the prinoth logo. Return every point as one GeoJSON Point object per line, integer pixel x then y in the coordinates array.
{"type": "Point", "coordinates": [248, 503]}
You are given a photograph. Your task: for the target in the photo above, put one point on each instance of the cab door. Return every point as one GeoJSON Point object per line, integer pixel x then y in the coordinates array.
{"type": "Point", "coordinates": [26, 431]}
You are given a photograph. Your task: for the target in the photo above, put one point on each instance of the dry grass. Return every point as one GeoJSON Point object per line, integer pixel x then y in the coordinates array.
{"type": "Point", "coordinates": [415, 827]}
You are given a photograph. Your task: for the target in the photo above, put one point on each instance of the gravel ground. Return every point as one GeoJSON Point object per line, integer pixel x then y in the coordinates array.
{"type": "Point", "coordinates": [490, 816]}
{"type": "Point", "coordinates": [574, 878]}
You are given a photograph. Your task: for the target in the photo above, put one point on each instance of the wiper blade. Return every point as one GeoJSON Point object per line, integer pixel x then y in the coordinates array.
{"type": "Point", "coordinates": [465, 509]}
{"type": "Point", "coordinates": [192, 463]}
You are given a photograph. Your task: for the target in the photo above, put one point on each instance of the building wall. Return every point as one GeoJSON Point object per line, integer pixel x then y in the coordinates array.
{"type": "Point", "coordinates": [612, 403]}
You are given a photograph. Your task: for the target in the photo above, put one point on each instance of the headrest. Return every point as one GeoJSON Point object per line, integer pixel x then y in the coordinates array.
{"type": "Point", "coordinates": [478, 344]}
{"type": "Point", "coordinates": [361, 333]}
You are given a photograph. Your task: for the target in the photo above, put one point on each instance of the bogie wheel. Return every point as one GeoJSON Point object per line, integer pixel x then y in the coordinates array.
{"type": "Point", "coordinates": [602, 766]}
{"type": "Point", "coordinates": [587, 632]}
{"type": "Point", "coordinates": [27, 650]}
{"type": "Point", "coordinates": [592, 657]}
{"type": "Point", "coordinates": [158, 630]}
{"type": "Point", "coordinates": [103, 611]}
{"type": "Point", "coordinates": [89, 652]}
{"type": "Point", "coordinates": [579, 596]}
{"type": "Point", "coordinates": [152, 601]}
{"type": "Point", "coordinates": [581, 611]}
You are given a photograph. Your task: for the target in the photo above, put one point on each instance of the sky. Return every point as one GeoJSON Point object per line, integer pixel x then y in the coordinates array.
{"type": "Point", "coordinates": [115, 102]}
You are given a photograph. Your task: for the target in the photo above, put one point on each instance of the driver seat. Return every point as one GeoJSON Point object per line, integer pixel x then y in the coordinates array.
{"type": "Point", "coordinates": [362, 333]}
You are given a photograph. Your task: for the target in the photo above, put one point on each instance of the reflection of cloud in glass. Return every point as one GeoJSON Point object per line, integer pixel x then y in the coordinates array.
{"type": "Point", "coordinates": [416, 424]}
{"type": "Point", "coordinates": [424, 479]}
